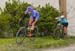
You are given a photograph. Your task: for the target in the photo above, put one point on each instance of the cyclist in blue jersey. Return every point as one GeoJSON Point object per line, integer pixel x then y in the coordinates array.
{"type": "Point", "coordinates": [64, 22]}
{"type": "Point", "coordinates": [34, 16]}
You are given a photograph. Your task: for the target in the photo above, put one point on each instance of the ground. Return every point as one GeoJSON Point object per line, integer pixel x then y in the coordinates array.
{"type": "Point", "coordinates": [69, 48]}
{"type": "Point", "coordinates": [38, 44]}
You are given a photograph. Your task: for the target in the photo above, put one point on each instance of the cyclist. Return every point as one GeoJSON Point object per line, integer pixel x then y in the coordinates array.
{"type": "Point", "coordinates": [34, 16]}
{"type": "Point", "coordinates": [64, 22]}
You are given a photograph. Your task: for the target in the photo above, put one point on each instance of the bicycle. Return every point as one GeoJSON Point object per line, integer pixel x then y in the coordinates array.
{"type": "Point", "coordinates": [22, 33]}
{"type": "Point", "coordinates": [58, 30]}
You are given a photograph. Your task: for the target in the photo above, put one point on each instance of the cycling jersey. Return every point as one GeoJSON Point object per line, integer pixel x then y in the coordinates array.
{"type": "Point", "coordinates": [34, 14]}
{"type": "Point", "coordinates": [63, 20]}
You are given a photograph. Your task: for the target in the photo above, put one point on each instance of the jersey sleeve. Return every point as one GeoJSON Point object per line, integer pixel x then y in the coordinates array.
{"type": "Point", "coordinates": [34, 14]}
{"type": "Point", "coordinates": [37, 16]}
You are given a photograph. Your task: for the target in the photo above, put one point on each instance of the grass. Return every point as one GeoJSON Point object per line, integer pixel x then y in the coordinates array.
{"type": "Point", "coordinates": [39, 42]}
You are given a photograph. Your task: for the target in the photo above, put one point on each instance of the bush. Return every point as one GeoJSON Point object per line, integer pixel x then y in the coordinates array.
{"type": "Point", "coordinates": [4, 24]}
{"type": "Point", "coordinates": [12, 12]}
{"type": "Point", "coordinates": [47, 17]}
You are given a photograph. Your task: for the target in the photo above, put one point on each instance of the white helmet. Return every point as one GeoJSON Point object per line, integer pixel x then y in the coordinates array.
{"type": "Point", "coordinates": [62, 16]}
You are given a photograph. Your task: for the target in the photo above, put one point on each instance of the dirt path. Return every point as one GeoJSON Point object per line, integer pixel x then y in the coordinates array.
{"type": "Point", "coordinates": [69, 48]}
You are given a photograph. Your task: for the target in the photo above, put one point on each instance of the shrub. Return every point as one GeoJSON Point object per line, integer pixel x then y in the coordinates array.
{"type": "Point", "coordinates": [47, 17]}
{"type": "Point", "coordinates": [12, 12]}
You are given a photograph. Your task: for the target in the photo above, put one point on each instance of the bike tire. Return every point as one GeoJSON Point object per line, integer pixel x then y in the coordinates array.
{"type": "Point", "coordinates": [58, 33]}
{"type": "Point", "coordinates": [20, 35]}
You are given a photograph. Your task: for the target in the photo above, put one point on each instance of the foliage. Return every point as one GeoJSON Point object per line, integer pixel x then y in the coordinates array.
{"type": "Point", "coordinates": [40, 42]}
{"type": "Point", "coordinates": [4, 24]}
{"type": "Point", "coordinates": [47, 17]}
{"type": "Point", "coordinates": [10, 16]}
{"type": "Point", "coordinates": [12, 12]}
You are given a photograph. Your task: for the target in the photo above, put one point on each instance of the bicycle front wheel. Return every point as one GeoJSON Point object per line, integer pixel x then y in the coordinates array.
{"type": "Point", "coordinates": [20, 35]}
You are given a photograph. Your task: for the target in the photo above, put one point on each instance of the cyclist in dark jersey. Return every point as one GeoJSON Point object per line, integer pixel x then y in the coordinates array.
{"type": "Point", "coordinates": [64, 22]}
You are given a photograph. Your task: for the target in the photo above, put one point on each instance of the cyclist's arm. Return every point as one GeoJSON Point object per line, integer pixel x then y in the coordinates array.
{"type": "Point", "coordinates": [58, 21]}
{"type": "Point", "coordinates": [25, 13]}
{"type": "Point", "coordinates": [22, 17]}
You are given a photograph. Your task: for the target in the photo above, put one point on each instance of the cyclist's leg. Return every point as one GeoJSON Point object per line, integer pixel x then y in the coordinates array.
{"type": "Point", "coordinates": [29, 27]}
{"type": "Point", "coordinates": [65, 28]}
{"type": "Point", "coordinates": [35, 19]}
{"type": "Point", "coordinates": [34, 23]}
{"type": "Point", "coordinates": [30, 22]}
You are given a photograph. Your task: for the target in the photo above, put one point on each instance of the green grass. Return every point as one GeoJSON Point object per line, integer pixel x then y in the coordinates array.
{"type": "Point", "coordinates": [50, 42]}
{"type": "Point", "coordinates": [39, 42]}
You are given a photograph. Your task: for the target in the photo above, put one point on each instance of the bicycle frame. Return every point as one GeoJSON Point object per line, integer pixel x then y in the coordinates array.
{"type": "Point", "coordinates": [58, 30]}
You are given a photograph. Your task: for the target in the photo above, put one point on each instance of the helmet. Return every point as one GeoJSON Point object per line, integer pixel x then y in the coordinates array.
{"type": "Point", "coordinates": [29, 8]}
{"type": "Point", "coordinates": [62, 16]}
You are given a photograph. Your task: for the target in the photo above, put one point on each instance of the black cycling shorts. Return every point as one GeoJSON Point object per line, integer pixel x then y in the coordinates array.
{"type": "Point", "coordinates": [65, 24]}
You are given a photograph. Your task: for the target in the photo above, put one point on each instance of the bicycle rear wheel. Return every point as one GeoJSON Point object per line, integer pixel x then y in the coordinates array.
{"type": "Point", "coordinates": [58, 32]}
{"type": "Point", "coordinates": [20, 35]}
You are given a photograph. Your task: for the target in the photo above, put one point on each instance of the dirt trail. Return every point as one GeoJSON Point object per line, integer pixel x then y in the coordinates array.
{"type": "Point", "coordinates": [69, 48]}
